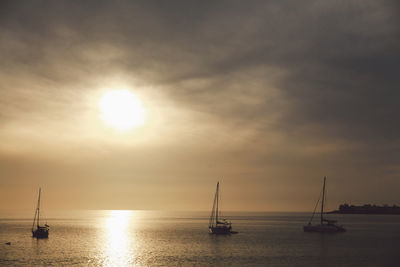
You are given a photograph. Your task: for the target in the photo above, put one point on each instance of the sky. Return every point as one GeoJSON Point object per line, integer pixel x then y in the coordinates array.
{"type": "Point", "coordinates": [267, 97]}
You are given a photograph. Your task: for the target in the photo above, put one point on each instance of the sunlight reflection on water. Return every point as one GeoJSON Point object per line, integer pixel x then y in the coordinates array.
{"type": "Point", "coordinates": [119, 248]}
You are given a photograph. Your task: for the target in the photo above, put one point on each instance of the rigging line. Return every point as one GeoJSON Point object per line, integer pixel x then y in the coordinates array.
{"type": "Point", "coordinates": [34, 219]}
{"type": "Point", "coordinates": [213, 217]}
{"type": "Point", "coordinates": [219, 202]}
{"type": "Point", "coordinates": [315, 208]}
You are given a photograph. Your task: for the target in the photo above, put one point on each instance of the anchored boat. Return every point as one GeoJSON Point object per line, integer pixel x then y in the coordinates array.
{"type": "Point", "coordinates": [40, 231]}
{"type": "Point", "coordinates": [325, 226]}
{"type": "Point", "coordinates": [217, 225]}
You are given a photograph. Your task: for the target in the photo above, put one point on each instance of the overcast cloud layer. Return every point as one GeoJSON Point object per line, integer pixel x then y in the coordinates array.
{"type": "Point", "coordinates": [269, 95]}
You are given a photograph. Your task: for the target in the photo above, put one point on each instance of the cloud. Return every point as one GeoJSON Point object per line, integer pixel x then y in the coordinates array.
{"type": "Point", "coordinates": [264, 83]}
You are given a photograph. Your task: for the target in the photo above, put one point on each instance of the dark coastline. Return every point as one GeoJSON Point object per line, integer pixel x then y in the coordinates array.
{"type": "Point", "coordinates": [367, 209]}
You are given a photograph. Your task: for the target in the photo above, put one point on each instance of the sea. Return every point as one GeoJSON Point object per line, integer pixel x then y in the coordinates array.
{"type": "Point", "coordinates": [160, 238]}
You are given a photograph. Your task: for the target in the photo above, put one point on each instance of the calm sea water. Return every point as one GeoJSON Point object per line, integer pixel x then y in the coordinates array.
{"type": "Point", "coordinates": [149, 238]}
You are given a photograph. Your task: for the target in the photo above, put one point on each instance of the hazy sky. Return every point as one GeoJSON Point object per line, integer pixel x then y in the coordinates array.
{"type": "Point", "coordinates": [265, 96]}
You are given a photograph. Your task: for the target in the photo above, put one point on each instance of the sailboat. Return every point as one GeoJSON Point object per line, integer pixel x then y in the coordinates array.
{"type": "Point", "coordinates": [40, 231]}
{"type": "Point", "coordinates": [217, 225]}
{"type": "Point", "coordinates": [325, 226]}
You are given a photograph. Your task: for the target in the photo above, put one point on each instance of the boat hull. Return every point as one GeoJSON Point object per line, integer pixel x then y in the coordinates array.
{"type": "Point", "coordinates": [324, 228]}
{"type": "Point", "coordinates": [220, 230]}
{"type": "Point", "coordinates": [40, 233]}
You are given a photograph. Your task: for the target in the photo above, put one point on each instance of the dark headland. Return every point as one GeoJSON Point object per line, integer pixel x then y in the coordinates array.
{"type": "Point", "coordinates": [367, 209]}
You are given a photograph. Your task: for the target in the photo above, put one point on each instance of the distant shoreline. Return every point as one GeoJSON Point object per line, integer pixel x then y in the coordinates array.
{"type": "Point", "coordinates": [367, 209]}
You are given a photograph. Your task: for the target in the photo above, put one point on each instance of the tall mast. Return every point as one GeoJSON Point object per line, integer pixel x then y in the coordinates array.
{"type": "Point", "coordinates": [38, 207]}
{"type": "Point", "coordinates": [216, 214]}
{"type": "Point", "coordinates": [323, 200]}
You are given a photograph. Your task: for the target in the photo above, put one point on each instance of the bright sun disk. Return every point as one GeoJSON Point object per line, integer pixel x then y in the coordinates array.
{"type": "Point", "coordinates": [121, 110]}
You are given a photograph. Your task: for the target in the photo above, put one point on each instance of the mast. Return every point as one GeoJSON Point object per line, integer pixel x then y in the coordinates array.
{"type": "Point", "coordinates": [217, 196]}
{"type": "Point", "coordinates": [38, 208]}
{"type": "Point", "coordinates": [323, 200]}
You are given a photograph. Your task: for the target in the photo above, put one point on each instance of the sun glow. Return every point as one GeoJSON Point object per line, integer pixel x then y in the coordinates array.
{"type": "Point", "coordinates": [121, 110]}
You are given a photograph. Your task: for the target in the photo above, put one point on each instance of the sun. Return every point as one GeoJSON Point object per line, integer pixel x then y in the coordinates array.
{"type": "Point", "coordinates": [121, 110]}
